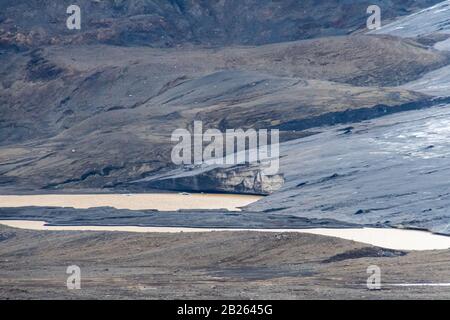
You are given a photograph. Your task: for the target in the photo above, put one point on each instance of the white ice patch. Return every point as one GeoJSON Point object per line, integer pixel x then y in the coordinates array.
{"type": "Point", "coordinates": [435, 19]}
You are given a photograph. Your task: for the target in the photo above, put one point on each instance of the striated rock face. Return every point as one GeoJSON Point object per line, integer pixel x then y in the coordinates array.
{"type": "Point", "coordinates": [237, 179]}
{"type": "Point", "coordinates": [393, 171]}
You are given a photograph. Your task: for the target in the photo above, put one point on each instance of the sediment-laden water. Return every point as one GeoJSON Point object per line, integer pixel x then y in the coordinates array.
{"type": "Point", "coordinates": [157, 201]}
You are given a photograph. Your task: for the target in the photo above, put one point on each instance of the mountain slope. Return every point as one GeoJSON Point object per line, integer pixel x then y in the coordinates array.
{"type": "Point", "coordinates": [101, 116]}
{"type": "Point", "coordinates": [162, 23]}
{"type": "Point", "coordinates": [111, 147]}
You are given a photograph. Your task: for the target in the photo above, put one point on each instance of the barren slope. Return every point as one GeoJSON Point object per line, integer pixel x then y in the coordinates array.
{"type": "Point", "coordinates": [162, 23]}
{"type": "Point", "coordinates": [215, 265]}
{"type": "Point", "coordinates": [68, 113]}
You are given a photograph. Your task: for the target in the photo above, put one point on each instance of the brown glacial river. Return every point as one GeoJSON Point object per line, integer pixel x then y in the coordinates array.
{"type": "Point", "coordinates": [386, 238]}
{"type": "Point", "coordinates": [158, 201]}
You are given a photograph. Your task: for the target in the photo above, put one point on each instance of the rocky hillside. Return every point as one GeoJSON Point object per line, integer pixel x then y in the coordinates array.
{"type": "Point", "coordinates": [95, 108]}
{"type": "Point", "coordinates": [162, 23]}
{"type": "Point", "coordinates": [100, 116]}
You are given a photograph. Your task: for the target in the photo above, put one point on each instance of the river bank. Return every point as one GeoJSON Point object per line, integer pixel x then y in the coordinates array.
{"type": "Point", "coordinates": [395, 239]}
{"type": "Point", "coordinates": [210, 265]}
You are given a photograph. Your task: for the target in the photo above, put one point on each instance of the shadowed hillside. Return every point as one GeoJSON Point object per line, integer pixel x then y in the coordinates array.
{"type": "Point", "coordinates": [99, 116]}
{"type": "Point", "coordinates": [162, 23]}
{"type": "Point", "coordinates": [77, 111]}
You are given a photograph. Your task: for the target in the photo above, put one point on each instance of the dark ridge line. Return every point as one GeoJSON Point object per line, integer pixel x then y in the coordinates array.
{"type": "Point", "coordinates": [358, 115]}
